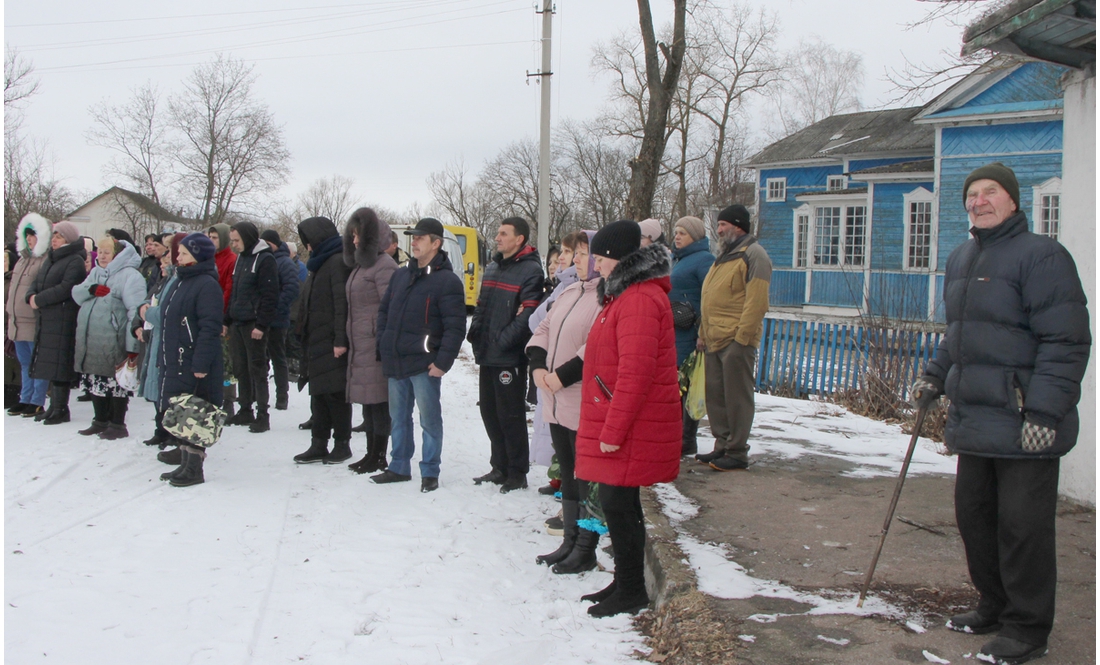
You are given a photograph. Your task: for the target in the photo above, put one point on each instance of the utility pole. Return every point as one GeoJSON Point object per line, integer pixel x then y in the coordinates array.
{"type": "Point", "coordinates": [543, 243]}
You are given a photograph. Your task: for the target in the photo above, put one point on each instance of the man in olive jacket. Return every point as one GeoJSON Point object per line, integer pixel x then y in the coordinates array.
{"type": "Point", "coordinates": [732, 307]}
{"type": "Point", "coordinates": [1012, 361]}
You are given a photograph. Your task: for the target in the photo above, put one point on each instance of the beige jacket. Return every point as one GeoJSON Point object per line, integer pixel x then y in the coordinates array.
{"type": "Point", "coordinates": [735, 296]}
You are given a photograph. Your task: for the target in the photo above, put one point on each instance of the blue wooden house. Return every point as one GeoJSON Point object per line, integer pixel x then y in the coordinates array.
{"type": "Point", "coordinates": [860, 211]}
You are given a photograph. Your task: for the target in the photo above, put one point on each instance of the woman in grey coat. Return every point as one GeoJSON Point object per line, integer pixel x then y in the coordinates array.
{"type": "Point", "coordinates": [109, 299]}
{"type": "Point", "coordinates": [366, 239]}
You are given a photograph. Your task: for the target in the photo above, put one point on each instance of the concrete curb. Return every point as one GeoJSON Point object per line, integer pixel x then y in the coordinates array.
{"type": "Point", "coordinates": [668, 573]}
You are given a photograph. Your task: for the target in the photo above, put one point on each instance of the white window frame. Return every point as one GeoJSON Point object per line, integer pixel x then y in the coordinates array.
{"type": "Point", "coordinates": [801, 259]}
{"type": "Point", "coordinates": [843, 179]}
{"type": "Point", "coordinates": [1052, 187]}
{"type": "Point", "coordinates": [918, 195]}
{"type": "Point", "coordinates": [843, 248]}
{"type": "Point", "coordinates": [781, 185]}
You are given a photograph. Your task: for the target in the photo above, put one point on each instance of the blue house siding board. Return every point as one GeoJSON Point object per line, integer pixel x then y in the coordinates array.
{"type": "Point", "coordinates": [837, 288]}
{"type": "Point", "coordinates": [941, 309]}
{"type": "Point", "coordinates": [1034, 81]}
{"type": "Point", "coordinates": [1002, 139]}
{"type": "Point", "coordinates": [776, 218]}
{"type": "Point", "coordinates": [788, 288]}
{"type": "Point", "coordinates": [888, 229]}
{"type": "Point", "coordinates": [899, 295]}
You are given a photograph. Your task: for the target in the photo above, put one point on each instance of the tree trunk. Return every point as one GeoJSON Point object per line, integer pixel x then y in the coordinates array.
{"type": "Point", "coordinates": [645, 167]}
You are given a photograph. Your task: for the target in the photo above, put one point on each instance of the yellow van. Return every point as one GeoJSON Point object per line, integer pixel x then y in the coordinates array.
{"type": "Point", "coordinates": [474, 258]}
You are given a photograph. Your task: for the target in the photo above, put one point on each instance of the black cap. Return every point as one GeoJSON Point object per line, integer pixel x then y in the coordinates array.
{"type": "Point", "coordinates": [617, 239]}
{"type": "Point", "coordinates": [738, 215]}
{"type": "Point", "coordinates": [428, 225]}
{"type": "Point", "coordinates": [271, 235]}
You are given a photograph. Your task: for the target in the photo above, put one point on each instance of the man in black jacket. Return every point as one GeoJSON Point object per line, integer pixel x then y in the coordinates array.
{"type": "Point", "coordinates": [510, 291]}
{"type": "Point", "coordinates": [421, 322]}
{"type": "Point", "coordinates": [252, 308]}
{"type": "Point", "coordinates": [1012, 361]}
{"type": "Point", "coordinates": [289, 286]}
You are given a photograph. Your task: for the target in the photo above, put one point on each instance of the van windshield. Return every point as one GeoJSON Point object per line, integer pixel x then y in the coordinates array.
{"type": "Point", "coordinates": [461, 243]}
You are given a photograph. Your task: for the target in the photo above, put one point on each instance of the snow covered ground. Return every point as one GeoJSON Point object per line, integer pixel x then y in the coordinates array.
{"type": "Point", "coordinates": [273, 562]}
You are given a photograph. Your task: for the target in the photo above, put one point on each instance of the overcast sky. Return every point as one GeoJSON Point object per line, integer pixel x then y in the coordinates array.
{"type": "Point", "coordinates": [384, 92]}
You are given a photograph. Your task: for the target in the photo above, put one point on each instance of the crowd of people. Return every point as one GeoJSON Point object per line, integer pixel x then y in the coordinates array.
{"type": "Point", "coordinates": [601, 333]}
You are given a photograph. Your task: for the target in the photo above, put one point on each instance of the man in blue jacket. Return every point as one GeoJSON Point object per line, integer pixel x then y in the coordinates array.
{"type": "Point", "coordinates": [421, 323]}
{"type": "Point", "coordinates": [289, 286]}
{"type": "Point", "coordinates": [1012, 361]}
{"type": "Point", "coordinates": [510, 291]}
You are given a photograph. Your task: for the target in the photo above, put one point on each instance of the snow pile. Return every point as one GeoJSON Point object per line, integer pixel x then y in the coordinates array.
{"type": "Point", "coordinates": [275, 562]}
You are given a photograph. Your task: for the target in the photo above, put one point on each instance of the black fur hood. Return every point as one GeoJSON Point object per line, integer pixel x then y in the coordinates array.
{"type": "Point", "coordinates": [374, 238]}
{"type": "Point", "coordinates": [649, 262]}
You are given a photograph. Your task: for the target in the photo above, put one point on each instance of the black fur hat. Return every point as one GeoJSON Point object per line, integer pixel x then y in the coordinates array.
{"type": "Point", "coordinates": [374, 238]}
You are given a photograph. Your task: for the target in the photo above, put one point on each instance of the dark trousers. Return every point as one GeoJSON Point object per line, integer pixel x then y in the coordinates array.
{"type": "Point", "coordinates": [331, 416]}
{"type": "Point", "coordinates": [565, 447]}
{"type": "Point", "coordinates": [502, 391]}
{"type": "Point", "coordinates": [622, 507]}
{"type": "Point", "coordinates": [376, 418]}
{"type": "Point", "coordinates": [731, 398]}
{"type": "Point", "coordinates": [249, 366]}
{"type": "Point", "coordinates": [1005, 510]}
{"type": "Point", "coordinates": [276, 348]}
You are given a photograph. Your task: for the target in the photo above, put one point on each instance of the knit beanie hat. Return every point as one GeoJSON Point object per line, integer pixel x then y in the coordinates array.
{"type": "Point", "coordinates": [999, 173]}
{"type": "Point", "coordinates": [201, 247]}
{"type": "Point", "coordinates": [271, 235]}
{"type": "Point", "coordinates": [617, 239]}
{"type": "Point", "coordinates": [693, 226]}
{"type": "Point", "coordinates": [651, 228]}
{"type": "Point", "coordinates": [173, 241]}
{"type": "Point", "coordinates": [738, 215]}
{"type": "Point", "coordinates": [119, 234]}
{"type": "Point", "coordinates": [67, 230]}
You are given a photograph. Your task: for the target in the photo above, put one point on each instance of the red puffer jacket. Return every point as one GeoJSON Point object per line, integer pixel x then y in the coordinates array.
{"type": "Point", "coordinates": [632, 349]}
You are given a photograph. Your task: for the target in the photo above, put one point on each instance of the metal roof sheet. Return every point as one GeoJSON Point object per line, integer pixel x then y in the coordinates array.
{"type": "Point", "coordinates": [852, 134]}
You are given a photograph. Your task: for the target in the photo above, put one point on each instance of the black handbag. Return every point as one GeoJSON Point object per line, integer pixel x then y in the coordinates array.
{"type": "Point", "coordinates": [683, 315]}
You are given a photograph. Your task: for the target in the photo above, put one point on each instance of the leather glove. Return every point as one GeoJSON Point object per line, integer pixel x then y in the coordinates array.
{"type": "Point", "coordinates": [925, 391]}
{"type": "Point", "coordinates": [1035, 438]}
{"type": "Point", "coordinates": [99, 290]}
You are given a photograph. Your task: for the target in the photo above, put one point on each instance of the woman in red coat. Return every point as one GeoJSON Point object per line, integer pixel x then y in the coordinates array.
{"type": "Point", "coordinates": [630, 426]}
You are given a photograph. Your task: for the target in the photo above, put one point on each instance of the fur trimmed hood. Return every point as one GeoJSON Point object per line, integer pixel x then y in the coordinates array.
{"type": "Point", "coordinates": [374, 238]}
{"type": "Point", "coordinates": [649, 262]}
{"type": "Point", "coordinates": [41, 227]}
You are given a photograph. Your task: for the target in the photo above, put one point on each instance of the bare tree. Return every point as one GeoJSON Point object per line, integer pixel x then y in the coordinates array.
{"type": "Point", "coordinates": [819, 80]}
{"type": "Point", "coordinates": [595, 168]}
{"type": "Point", "coordinates": [661, 86]}
{"type": "Point", "coordinates": [19, 82]}
{"type": "Point", "coordinates": [466, 202]}
{"type": "Point", "coordinates": [136, 130]}
{"type": "Point", "coordinates": [328, 197]}
{"type": "Point", "coordinates": [231, 148]}
{"type": "Point", "coordinates": [29, 184]}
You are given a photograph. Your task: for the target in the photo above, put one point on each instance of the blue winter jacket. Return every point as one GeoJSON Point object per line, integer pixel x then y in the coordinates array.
{"type": "Point", "coordinates": [689, 268]}
{"type": "Point", "coordinates": [422, 319]}
{"type": "Point", "coordinates": [191, 321]}
{"type": "Point", "coordinates": [289, 286]}
{"type": "Point", "coordinates": [150, 380]}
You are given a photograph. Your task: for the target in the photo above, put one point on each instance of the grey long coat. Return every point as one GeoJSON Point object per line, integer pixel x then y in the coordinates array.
{"type": "Point", "coordinates": [103, 326]}
{"type": "Point", "coordinates": [371, 271]}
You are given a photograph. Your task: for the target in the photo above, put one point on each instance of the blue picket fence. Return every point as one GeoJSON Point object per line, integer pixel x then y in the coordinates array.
{"type": "Point", "coordinates": [816, 357]}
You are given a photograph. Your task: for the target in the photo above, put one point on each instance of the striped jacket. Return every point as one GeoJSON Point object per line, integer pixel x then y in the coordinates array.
{"type": "Point", "coordinates": [510, 292]}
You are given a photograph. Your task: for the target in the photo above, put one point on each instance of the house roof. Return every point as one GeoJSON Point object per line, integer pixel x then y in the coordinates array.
{"type": "Point", "coordinates": [1058, 31]}
{"type": "Point", "coordinates": [851, 134]}
{"type": "Point", "coordinates": [153, 209]}
{"type": "Point", "coordinates": [916, 166]}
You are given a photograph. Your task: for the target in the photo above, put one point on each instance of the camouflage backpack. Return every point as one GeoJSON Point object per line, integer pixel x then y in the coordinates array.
{"type": "Point", "coordinates": [194, 420]}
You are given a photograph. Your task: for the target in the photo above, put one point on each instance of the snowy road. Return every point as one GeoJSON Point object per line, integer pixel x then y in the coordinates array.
{"type": "Point", "coordinates": [272, 562]}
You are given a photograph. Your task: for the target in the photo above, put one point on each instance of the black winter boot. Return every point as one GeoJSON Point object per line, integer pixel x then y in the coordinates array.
{"type": "Point", "coordinates": [192, 472]}
{"type": "Point", "coordinates": [181, 459]}
{"type": "Point", "coordinates": [261, 424]}
{"type": "Point", "coordinates": [101, 416]}
{"type": "Point", "coordinates": [173, 456]}
{"type": "Point", "coordinates": [361, 465]}
{"type": "Point", "coordinates": [59, 405]}
{"type": "Point", "coordinates": [630, 597]}
{"type": "Point", "coordinates": [601, 595]}
{"type": "Point", "coordinates": [341, 451]}
{"type": "Point", "coordinates": [117, 428]}
{"type": "Point", "coordinates": [690, 444]}
{"type": "Point", "coordinates": [583, 555]}
{"type": "Point", "coordinates": [318, 450]}
{"type": "Point", "coordinates": [381, 442]}
{"type": "Point", "coordinates": [362, 427]}
{"type": "Point", "coordinates": [229, 396]}
{"type": "Point", "coordinates": [244, 416]}
{"type": "Point", "coordinates": [515, 481]}
{"type": "Point", "coordinates": [569, 510]}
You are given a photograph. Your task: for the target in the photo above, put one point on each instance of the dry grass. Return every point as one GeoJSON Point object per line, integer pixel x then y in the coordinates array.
{"type": "Point", "coordinates": [686, 631]}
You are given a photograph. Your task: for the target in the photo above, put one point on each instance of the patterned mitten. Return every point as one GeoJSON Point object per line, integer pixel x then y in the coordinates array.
{"type": "Point", "coordinates": [925, 391]}
{"type": "Point", "coordinates": [1036, 438]}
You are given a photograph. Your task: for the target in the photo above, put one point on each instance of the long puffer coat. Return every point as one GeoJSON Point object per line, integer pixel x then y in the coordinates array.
{"type": "Point", "coordinates": [632, 349]}
{"type": "Point", "coordinates": [371, 271]}
{"type": "Point", "coordinates": [323, 311]}
{"type": "Point", "coordinates": [191, 318]}
{"type": "Point", "coordinates": [154, 332]}
{"type": "Point", "coordinates": [55, 334]}
{"type": "Point", "coordinates": [690, 266]}
{"type": "Point", "coordinates": [103, 326]}
{"type": "Point", "coordinates": [21, 319]}
{"type": "Point", "coordinates": [1017, 342]}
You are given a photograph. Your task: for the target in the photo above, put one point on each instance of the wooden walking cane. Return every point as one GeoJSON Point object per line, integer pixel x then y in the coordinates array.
{"type": "Point", "coordinates": [893, 503]}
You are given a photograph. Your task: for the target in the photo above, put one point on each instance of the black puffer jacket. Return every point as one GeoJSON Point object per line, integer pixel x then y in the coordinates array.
{"type": "Point", "coordinates": [323, 314]}
{"type": "Point", "coordinates": [289, 286]}
{"type": "Point", "coordinates": [422, 319]}
{"type": "Point", "coordinates": [510, 291]}
{"type": "Point", "coordinates": [55, 334]}
{"type": "Point", "coordinates": [255, 296]}
{"type": "Point", "coordinates": [1017, 328]}
{"type": "Point", "coordinates": [191, 321]}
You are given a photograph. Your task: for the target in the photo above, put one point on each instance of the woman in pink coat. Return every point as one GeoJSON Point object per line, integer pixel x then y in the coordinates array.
{"type": "Point", "coordinates": [630, 425]}
{"type": "Point", "coordinates": [556, 352]}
